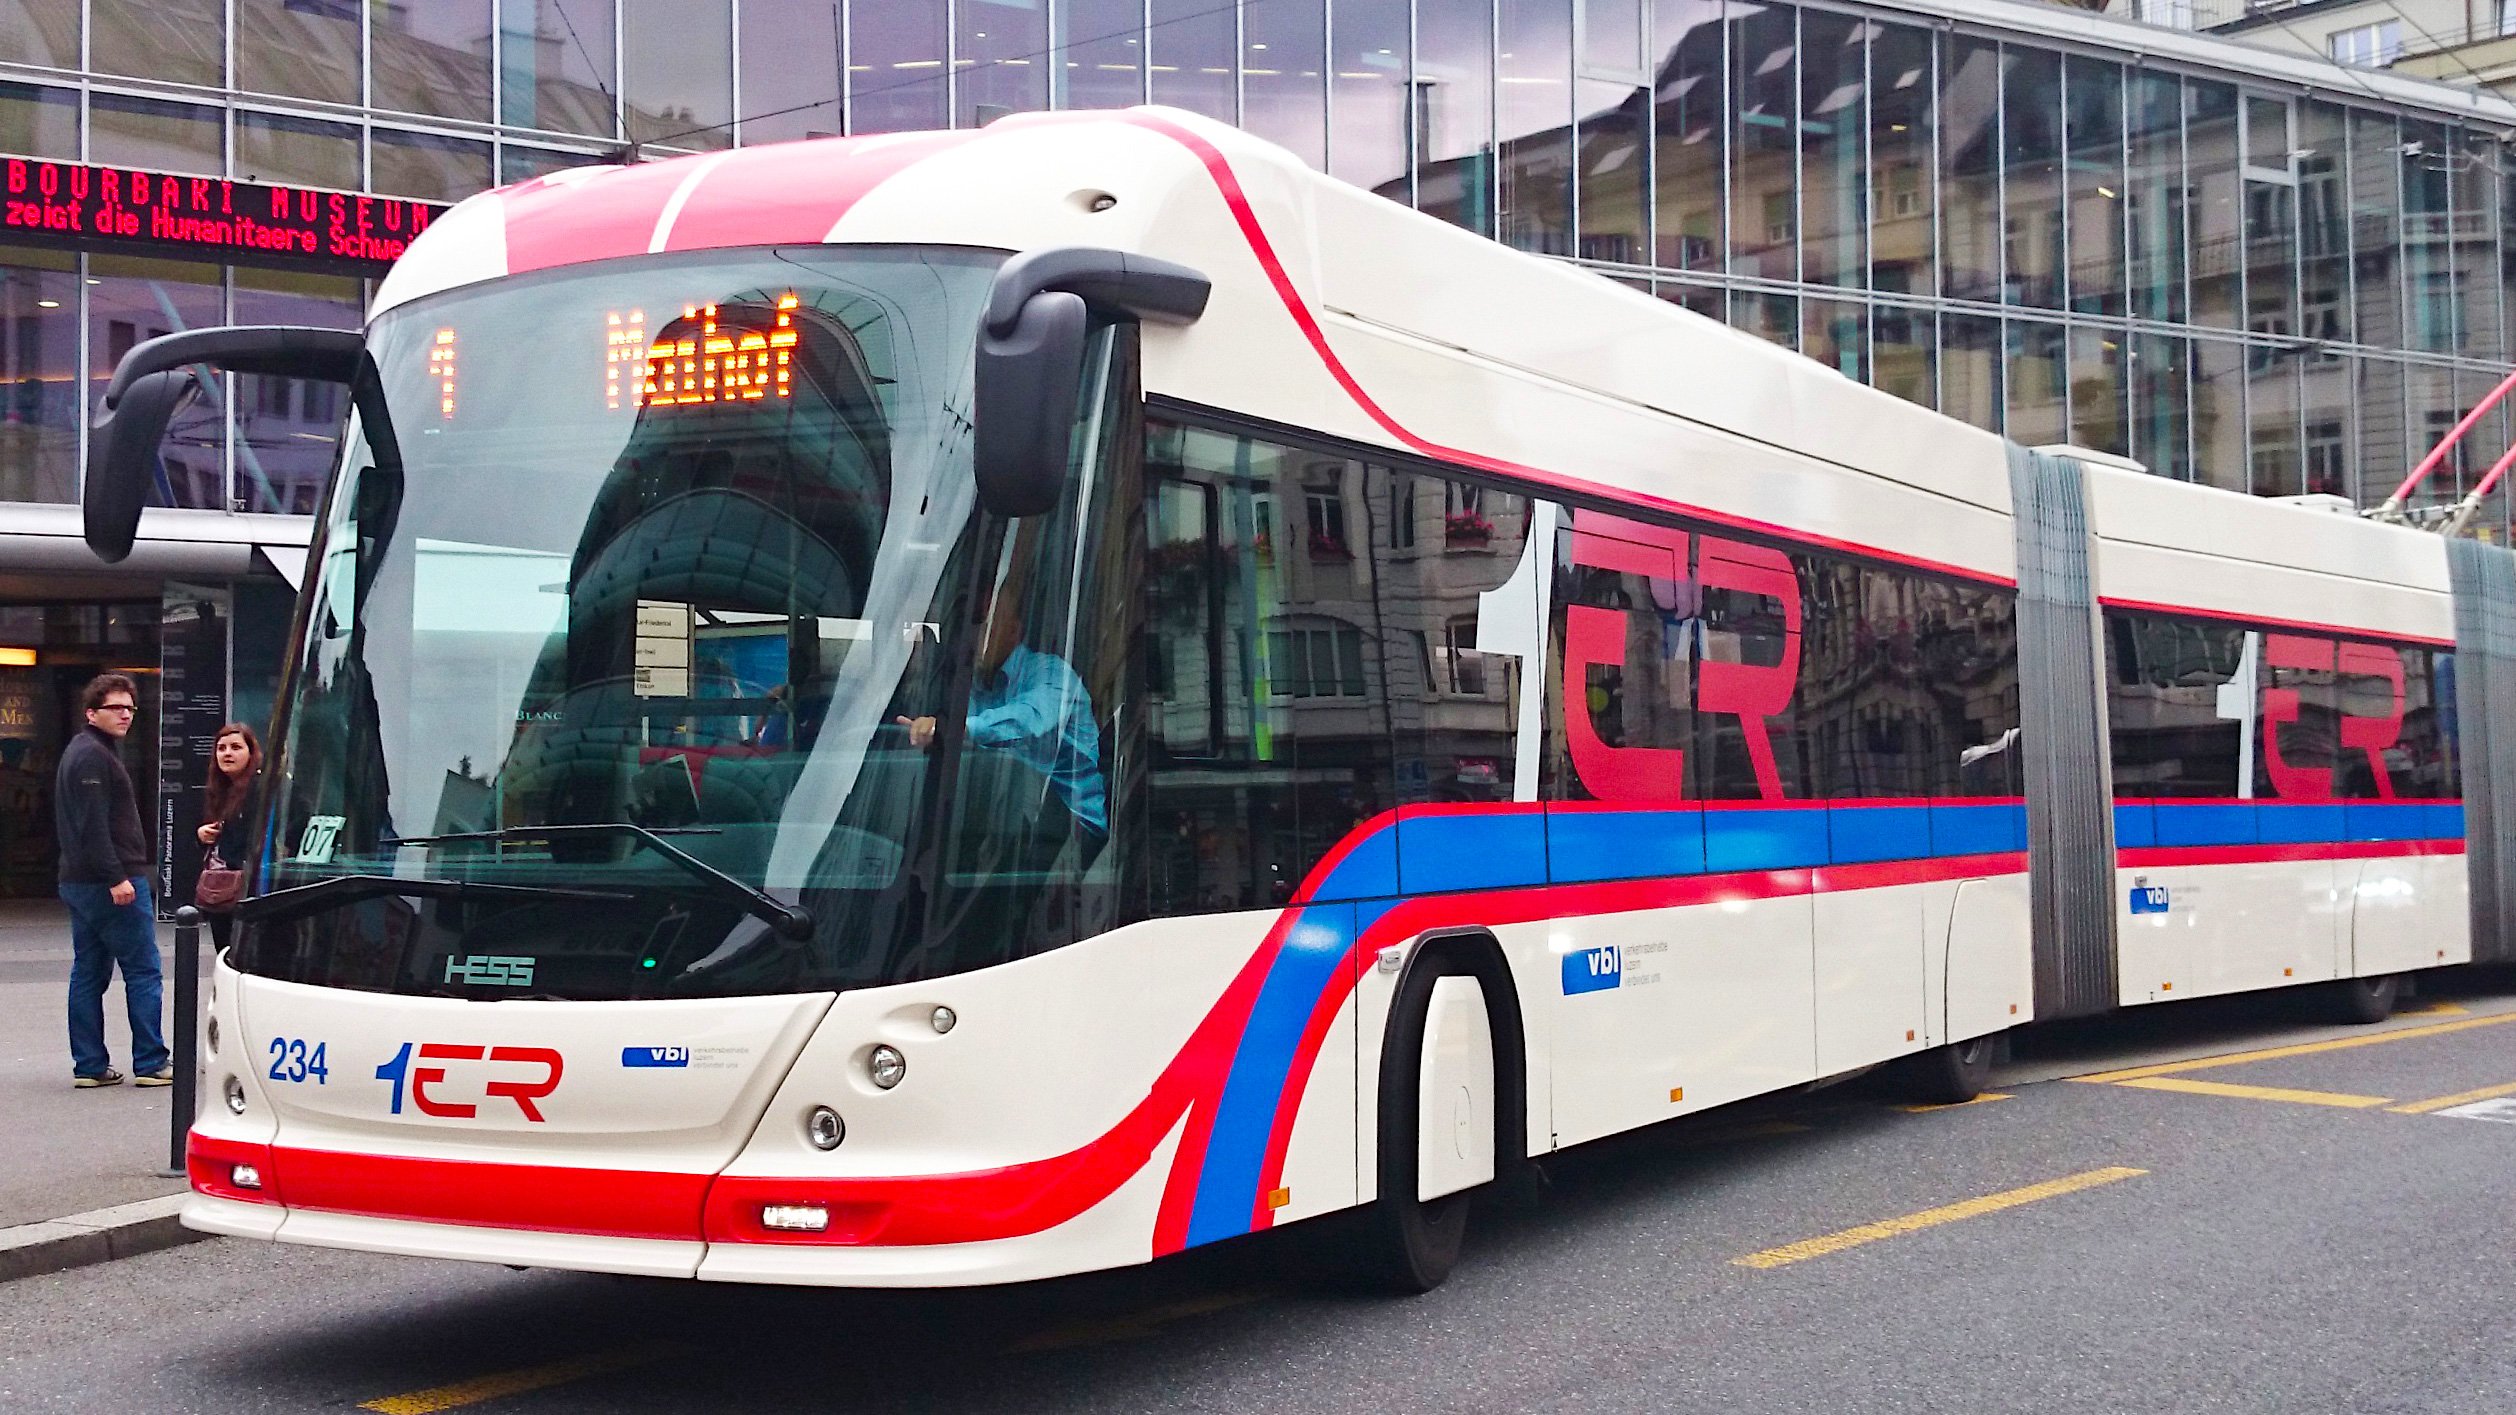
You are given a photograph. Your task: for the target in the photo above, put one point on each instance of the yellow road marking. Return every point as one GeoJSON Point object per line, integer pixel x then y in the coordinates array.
{"type": "Point", "coordinates": [2240, 1058]}
{"type": "Point", "coordinates": [2436, 1009]}
{"type": "Point", "coordinates": [505, 1383]}
{"type": "Point", "coordinates": [1985, 1099]}
{"type": "Point", "coordinates": [1819, 1247]}
{"type": "Point", "coordinates": [2255, 1093]}
{"type": "Point", "coordinates": [2486, 1093]}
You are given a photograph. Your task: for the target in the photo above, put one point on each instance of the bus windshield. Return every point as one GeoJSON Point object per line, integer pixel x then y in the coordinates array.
{"type": "Point", "coordinates": [682, 552]}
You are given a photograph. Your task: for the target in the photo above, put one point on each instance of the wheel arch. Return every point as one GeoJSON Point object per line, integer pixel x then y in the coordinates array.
{"type": "Point", "coordinates": [1480, 955]}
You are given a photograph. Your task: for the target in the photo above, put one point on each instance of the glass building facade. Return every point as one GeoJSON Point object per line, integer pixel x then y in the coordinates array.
{"type": "Point", "coordinates": [2201, 263]}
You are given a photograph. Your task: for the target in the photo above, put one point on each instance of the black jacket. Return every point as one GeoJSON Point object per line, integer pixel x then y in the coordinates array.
{"type": "Point", "coordinates": [96, 815]}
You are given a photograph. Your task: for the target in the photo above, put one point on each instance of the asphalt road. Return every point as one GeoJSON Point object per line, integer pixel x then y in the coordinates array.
{"type": "Point", "coordinates": [2287, 1232]}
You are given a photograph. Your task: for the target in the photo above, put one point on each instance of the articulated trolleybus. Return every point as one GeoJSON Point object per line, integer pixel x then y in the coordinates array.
{"type": "Point", "coordinates": [952, 708]}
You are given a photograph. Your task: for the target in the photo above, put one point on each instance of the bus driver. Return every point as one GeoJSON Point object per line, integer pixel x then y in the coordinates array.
{"type": "Point", "coordinates": [1032, 705]}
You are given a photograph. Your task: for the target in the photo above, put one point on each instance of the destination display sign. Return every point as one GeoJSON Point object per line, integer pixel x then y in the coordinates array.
{"type": "Point", "coordinates": [211, 218]}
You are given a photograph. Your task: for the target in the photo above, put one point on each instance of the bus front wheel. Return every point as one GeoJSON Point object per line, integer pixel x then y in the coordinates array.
{"type": "Point", "coordinates": [1411, 1243]}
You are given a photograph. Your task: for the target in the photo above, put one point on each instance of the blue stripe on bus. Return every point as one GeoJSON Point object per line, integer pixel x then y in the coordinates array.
{"type": "Point", "coordinates": [2285, 824]}
{"type": "Point", "coordinates": [1856, 834]}
{"type": "Point", "coordinates": [2376, 820]}
{"type": "Point", "coordinates": [1978, 830]}
{"type": "Point", "coordinates": [1440, 853]}
{"type": "Point", "coordinates": [1586, 845]}
{"type": "Point", "coordinates": [1434, 851]}
{"type": "Point", "coordinates": [1368, 871]}
{"type": "Point", "coordinates": [2205, 823]}
{"type": "Point", "coordinates": [1770, 838]}
{"type": "Point", "coordinates": [1236, 1147]}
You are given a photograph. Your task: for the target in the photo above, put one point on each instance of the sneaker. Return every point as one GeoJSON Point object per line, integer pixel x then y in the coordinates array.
{"type": "Point", "coordinates": [111, 1077]}
{"type": "Point", "coordinates": [162, 1076]}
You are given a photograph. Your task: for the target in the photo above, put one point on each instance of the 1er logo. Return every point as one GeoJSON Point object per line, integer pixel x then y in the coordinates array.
{"type": "Point", "coordinates": [523, 1086]}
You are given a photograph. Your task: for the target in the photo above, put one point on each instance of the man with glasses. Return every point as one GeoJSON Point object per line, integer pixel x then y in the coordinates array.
{"type": "Point", "coordinates": [104, 880]}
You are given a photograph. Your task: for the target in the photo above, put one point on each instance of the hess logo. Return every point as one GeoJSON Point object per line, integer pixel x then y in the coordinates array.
{"type": "Point", "coordinates": [455, 1091]}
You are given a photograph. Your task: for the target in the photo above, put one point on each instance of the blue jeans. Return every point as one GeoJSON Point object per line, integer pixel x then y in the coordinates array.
{"type": "Point", "coordinates": [102, 935]}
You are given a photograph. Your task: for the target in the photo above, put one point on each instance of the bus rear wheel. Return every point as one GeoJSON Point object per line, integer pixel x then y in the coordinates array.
{"type": "Point", "coordinates": [1410, 1244]}
{"type": "Point", "coordinates": [1951, 1074]}
{"type": "Point", "coordinates": [2363, 999]}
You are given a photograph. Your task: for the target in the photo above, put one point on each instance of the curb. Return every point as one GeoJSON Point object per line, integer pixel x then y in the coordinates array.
{"type": "Point", "coordinates": [98, 1236]}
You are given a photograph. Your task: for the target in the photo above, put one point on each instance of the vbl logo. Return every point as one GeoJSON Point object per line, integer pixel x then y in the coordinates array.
{"type": "Point", "coordinates": [526, 1075]}
{"type": "Point", "coordinates": [1593, 970]}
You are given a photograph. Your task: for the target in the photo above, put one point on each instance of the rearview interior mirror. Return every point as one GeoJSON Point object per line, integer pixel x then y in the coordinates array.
{"type": "Point", "coordinates": [151, 383]}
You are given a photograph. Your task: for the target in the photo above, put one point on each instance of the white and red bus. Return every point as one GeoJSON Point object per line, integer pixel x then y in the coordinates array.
{"type": "Point", "coordinates": [952, 708]}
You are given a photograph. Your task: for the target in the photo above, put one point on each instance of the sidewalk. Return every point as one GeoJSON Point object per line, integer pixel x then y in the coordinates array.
{"type": "Point", "coordinates": [69, 1151]}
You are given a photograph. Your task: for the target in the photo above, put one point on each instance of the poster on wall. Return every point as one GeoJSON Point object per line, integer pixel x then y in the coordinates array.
{"type": "Point", "coordinates": [192, 682]}
{"type": "Point", "coordinates": [28, 746]}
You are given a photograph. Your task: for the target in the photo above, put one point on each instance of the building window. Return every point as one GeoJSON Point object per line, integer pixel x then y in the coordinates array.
{"type": "Point", "coordinates": [1324, 505]}
{"type": "Point", "coordinates": [2370, 46]}
{"type": "Point", "coordinates": [2326, 456]}
{"type": "Point", "coordinates": [1321, 662]}
{"type": "Point", "coordinates": [1467, 666]}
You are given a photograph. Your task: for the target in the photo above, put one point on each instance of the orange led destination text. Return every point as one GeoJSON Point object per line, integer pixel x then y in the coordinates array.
{"type": "Point", "coordinates": [715, 365]}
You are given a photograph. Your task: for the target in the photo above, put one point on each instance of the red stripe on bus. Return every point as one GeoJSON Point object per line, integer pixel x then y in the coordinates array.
{"type": "Point", "coordinates": [1220, 169]}
{"type": "Point", "coordinates": [2152, 857]}
{"type": "Point", "coordinates": [540, 1198]}
{"type": "Point", "coordinates": [2142, 606]}
{"type": "Point", "coordinates": [554, 221]}
{"type": "Point", "coordinates": [791, 193]}
{"type": "Point", "coordinates": [210, 1162]}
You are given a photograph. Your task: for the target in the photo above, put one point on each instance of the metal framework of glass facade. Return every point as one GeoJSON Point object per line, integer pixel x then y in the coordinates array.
{"type": "Point", "coordinates": [2194, 265]}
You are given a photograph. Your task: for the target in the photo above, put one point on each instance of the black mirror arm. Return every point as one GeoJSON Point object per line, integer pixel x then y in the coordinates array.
{"type": "Point", "coordinates": [1107, 280]}
{"type": "Point", "coordinates": [291, 351]}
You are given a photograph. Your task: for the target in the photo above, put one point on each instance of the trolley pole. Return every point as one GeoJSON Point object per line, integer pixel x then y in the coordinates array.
{"type": "Point", "coordinates": [187, 1036]}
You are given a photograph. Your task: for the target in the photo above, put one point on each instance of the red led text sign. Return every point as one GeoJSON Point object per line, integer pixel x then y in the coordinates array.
{"type": "Point", "coordinates": [70, 203]}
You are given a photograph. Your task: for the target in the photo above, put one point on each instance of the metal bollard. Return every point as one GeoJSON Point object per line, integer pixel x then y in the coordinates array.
{"type": "Point", "coordinates": [187, 1036]}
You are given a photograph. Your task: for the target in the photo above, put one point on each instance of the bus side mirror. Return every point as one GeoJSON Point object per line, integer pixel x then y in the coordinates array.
{"type": "Point", "coordinates": [150, 384]}
{"type": "Point", "coordinates": [1030, 360]}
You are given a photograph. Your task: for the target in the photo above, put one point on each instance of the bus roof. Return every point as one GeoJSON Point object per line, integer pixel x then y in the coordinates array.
{"type": "Point", "coordinates": [1340, 312]}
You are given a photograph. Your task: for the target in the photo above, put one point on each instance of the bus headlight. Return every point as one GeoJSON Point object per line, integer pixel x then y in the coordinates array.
{"type": "Point", "coordinates": [235, 1095]}
{"type": "Point", "coordinates": [824, 1128]}
{"type": "Point", "coordinates": [887, 1066]}
{"type": "Point", "coordinates": [943, 1019]}
{"type": "Point", "coordinates": [209, 1033]}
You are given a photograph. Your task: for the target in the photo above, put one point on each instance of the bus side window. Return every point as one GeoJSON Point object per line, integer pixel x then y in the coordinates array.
{"type": "Point", "coordinates": [1268, 706]}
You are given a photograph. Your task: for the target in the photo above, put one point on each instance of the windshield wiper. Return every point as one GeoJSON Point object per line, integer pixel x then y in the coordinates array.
{"type": "Point", "coordinates": [790, 921]}
{"type": "Point", "coordinates": [338, 890]}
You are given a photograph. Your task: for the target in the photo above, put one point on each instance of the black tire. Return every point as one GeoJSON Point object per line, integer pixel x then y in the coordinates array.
{"type": "Point", "coordinates": [2362, 1000]}
{"type": "Point", "coordinates": [1408, 1246]}
{"type": "Point", "coordinates": [1951, 1074]}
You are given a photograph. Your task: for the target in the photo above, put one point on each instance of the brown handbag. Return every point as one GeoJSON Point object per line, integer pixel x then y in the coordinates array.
{"type": "Point", "coordinates": [219, 886]}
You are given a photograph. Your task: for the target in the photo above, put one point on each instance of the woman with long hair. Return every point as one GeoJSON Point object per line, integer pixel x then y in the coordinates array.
{"type": "Point", "coordinates": [235, 760]}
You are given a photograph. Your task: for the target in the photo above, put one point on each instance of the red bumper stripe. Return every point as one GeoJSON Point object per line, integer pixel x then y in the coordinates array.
{"type": "Point", "coordinates": [610, 1203]}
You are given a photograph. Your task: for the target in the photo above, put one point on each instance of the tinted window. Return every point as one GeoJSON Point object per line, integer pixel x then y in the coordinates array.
{"type": "Point", "coordinates": [1438, 558]}
{"type": "Point", "coordinates": [1268, 707]}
